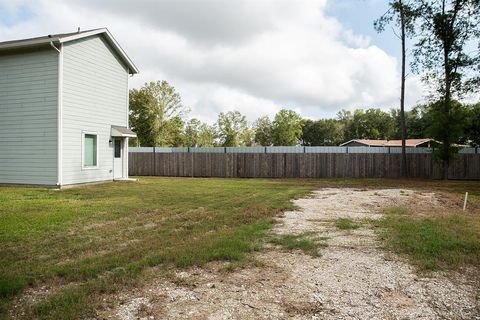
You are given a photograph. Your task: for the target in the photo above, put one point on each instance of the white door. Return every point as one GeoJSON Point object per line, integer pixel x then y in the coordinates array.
{"type": "Point", "coordinates": [118, 158]}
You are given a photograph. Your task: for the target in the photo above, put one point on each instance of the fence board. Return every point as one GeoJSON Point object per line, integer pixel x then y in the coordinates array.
{"type": "Point", "coordinates": [298, 165]}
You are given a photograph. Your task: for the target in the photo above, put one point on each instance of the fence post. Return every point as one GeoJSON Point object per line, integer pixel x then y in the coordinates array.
{"type": "Point", "coordinates": [192, 162]}
{"type": "Point", "coordinates": [154, 162]}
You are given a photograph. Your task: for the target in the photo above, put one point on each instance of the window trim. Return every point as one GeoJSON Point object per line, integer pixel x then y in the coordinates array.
{"type": "Point", "coordinates": [84, 133]}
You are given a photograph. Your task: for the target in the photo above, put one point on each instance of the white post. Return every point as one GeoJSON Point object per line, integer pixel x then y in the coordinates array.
{"type": "Point", "coordinates": [465, 202]}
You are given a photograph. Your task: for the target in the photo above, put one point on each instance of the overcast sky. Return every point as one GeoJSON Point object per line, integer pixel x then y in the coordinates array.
{"type": "Point", "coordinates": [256, 56]}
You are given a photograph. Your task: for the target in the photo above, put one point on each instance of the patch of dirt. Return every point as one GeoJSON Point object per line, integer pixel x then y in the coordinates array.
{"type": "Point", "coordinates": [353, 279]}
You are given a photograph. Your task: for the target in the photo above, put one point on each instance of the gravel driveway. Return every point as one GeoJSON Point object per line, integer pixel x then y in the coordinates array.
{"type": "Point", "coordinates": [353, 279]}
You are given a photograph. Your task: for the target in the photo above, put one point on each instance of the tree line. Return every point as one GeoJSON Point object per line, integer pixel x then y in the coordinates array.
{"type": "Point", "coordinates": [160, 119]}
{"type": "Point", "coordinates": [445, 51]}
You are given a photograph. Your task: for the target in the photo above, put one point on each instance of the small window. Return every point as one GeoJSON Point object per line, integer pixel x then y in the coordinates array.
{"type": "Point", "coordinates": [90, 150]}
{"type": "Point", "coordinates": [118, 148]}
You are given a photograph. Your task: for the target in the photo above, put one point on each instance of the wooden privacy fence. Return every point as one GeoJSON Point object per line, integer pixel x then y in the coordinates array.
{"type": "Point", "coordinates": [298, 165]}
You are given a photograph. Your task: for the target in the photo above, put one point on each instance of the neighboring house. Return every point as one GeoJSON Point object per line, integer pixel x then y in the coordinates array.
{"type": "Point", "coordinates": [410, 143]}
{"type": "Point", "coordinates": [64, 109]}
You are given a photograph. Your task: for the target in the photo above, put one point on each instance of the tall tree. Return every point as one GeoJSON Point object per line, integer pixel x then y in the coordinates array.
{"type": "Point", "coordinates": [415, 121]}
{"type": "Point", "coordinates": [286, 128]}
{"type": "Point", "coordinates": [449, 30]}
{"type": "Point", "coordinates": [174, 132]}
{"type": "Point", "coordinates": [207, 135]}
{"type": "Point", "coordinates": [233, 129]}
{"type": "Point", "coordinates": [473, 125]}
{"type": "Point", "coordinates": [199, 134]}
{"type": "Point", "coordinates": [404, 15]}
{"type": "Point", "coordinates": [141, 118]}
{"type": "Point", "coordinates": [457, 123]}
{"type": "Point", "coordinates": [262, 128]}
{"type": "Point", "coordinates": [156, 112]}
{"type": "Point", "coordinates": [370, 124]}
{"type": "Point", "coordinates": [323, 132]}
{"type": "Point", "coordinates": [191, 133]}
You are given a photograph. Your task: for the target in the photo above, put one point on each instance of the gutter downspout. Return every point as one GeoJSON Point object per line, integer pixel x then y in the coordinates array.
{"type": "Point", "coordinates": [59, 116]}
{"type": "Point", "coordinates": [53, 46]}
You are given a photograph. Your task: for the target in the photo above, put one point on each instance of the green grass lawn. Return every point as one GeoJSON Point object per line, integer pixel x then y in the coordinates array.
{"type": "Point", "coordinates": [95, 239]}
{"type": "Point", "coordinates": [90, 241]}
{"type": "Point", "coordinates": [448, 241]}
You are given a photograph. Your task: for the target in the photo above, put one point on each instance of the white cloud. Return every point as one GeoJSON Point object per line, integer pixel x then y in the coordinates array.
{"type": "Point", "coordinates": [254, 56]}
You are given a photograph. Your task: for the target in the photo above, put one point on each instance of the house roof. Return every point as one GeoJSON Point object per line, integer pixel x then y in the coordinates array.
{"type": "Point", "coordinates": [389, 143]}
{"type": "Point", "coordinates": [66, 37]}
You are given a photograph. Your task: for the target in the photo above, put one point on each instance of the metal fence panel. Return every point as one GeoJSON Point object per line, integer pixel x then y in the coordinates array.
{"type": "Point", "coordinates": [285, 149]}
{"type": "Point", "coordinates": [316, 149]}
{"type": "Point", "coordinates": [245, 149]}
{"type": "Point", "coordinates": [140, 149]}
{"type": "Point", "coordinates": [418, 150]}
{"type": "Point", "coordinates": [468, 151]}
{"type": "Point", "coordinates": [208, 150]}
{"type": "Point", "coordinates": [163, 150]}
{"type": "Point", "coordinates": [368, 150]}
{"type": "Point", "coordinates": [326, 149]}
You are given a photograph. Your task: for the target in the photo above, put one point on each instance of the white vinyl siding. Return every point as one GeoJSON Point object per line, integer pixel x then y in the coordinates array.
{"type": "Point", "coordinates": [95, 97]}
{"type": "Point", "coordinates": [28, 117]}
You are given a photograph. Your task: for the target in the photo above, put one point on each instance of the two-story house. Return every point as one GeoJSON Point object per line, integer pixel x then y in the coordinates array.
{"type": "Point", "coordinates": [64, 109]}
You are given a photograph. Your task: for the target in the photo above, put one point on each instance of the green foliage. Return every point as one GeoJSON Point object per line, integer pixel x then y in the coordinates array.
{"type": "Point", "coordinates": [156, 114]}
{"type": "Point", "coordinates": [174, 129]}
{"type": "Point", "coordinates": [416, 121]}
{"type": "Point", "coordinates": [346, 224]}
{"type": "Point", "coordinates": [323, 132]}
{"type": "Point", "coordinates": [263, 131]}
{"type": "Point", "coordinates": [286, 128]}
{"type": "Point", "coordinates": [447, 127]}
{"type": "Point", "coordinates": [198, 134]}
{"type": "Point", "coordinates": [447, 31]}
{"type": "Point", "coordinates": [141, 117]}
{"type": "Point", "coordinates": [233, 130]}
{"type": "Point", "coordinates": [448, 241]}
{"type": "Point", "coordinates": [370, 124]}
{"type": "Point", "coordinates": [472, 130]}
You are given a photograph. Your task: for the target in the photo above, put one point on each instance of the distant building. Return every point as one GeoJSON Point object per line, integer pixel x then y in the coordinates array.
{"type": "Point", "coordinates": [410, 143]}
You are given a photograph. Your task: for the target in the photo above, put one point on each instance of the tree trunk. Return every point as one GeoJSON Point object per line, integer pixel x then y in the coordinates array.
{"type": "Point", "coordinates": [403, 128]}
{"type": "Point", "coordinates": [446, 100]}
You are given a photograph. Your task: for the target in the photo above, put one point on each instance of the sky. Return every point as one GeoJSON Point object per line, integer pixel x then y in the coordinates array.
{"type": "Point", "coordinates": [255, 56]}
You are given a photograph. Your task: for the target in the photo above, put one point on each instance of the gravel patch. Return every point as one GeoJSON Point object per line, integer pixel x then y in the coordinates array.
{"type": "Point", "coordinates": [353, 279]}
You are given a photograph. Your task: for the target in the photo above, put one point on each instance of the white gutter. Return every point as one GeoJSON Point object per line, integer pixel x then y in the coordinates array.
{"type": "Point", "coordinates": [53, 46]}
{"type": "Point", "coordinates": [59, 115]}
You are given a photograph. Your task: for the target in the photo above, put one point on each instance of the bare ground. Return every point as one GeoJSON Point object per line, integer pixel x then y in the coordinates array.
{"type": "Point", "coordinates": [353, 279]}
